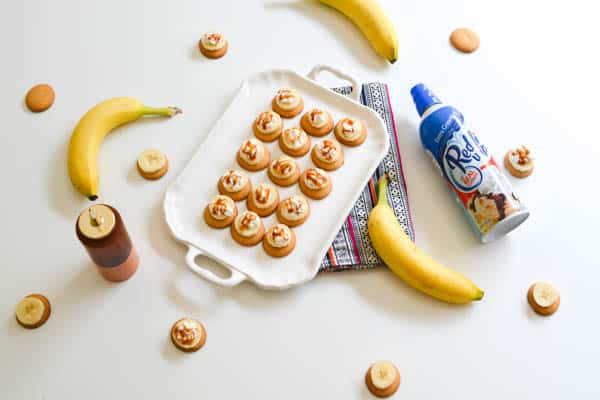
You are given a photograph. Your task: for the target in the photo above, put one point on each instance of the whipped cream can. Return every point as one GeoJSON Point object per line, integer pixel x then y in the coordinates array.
{"type": "Point", "coordinates": [480, 187]}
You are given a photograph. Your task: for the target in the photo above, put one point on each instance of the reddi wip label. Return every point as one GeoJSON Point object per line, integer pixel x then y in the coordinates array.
{"type": "Point", "coordinates": [481, 188]}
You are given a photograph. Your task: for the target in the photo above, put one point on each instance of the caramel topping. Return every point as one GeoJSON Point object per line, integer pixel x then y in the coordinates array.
{"type": "Point", "coordinates": [314, 113]}
{"type": "Point", "coordinates": [280, 232]}
{"type": "Point", "coordinates": [214, 38]}
{"type": "Point", "coordinates": [284, 94]}
{"type": "Point", "coordinates": [328, 149]}
{"type": "Point", "coordinates": [232, 178]}
{"type": "Point", "coordinates": [294, 206]}
{"type": "Point", "coordinates": [247, 220]}
{"type": "Point", "coordinates": [264, 119]}
{"type": "Point", "coordinates": [293, 134]}
{"type": "Point", "coordinates": [316, 177]}
{"type": "Point", "coordinates": [185, 334]}
{"type": "Point", "coordinates": [219, 206]}
{"type": "Point", "coordinates": [348, 125]}
{"type": "Point", "coordinates": [523, 153]}
{"type": "Point", "coordinates": [250, 149]}
{"type": "Point", "coordinates": [284, 166]}
{"type": "Point", "coordinates": [262, 194]}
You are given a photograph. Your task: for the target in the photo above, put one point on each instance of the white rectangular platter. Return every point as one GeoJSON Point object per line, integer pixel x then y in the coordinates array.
{"type": "Point", "coordinates": [186, 198]}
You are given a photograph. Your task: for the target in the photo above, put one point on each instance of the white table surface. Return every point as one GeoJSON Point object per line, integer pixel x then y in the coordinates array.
{"type": "Point", "coordinates": [534, 80]}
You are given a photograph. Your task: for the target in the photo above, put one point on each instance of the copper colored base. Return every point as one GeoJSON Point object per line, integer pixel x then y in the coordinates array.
{"type": "Point", "coordinates": [123, 271]}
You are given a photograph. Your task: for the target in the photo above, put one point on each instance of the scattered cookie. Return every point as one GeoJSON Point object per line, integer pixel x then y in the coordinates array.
{"type": "Point", "coordinates": [350, 131]}
{"type": "Point", "coordinates": [234, 184]}
{"type": "Point", "coordinates": [39, 98]}
{"type": "Point", "coordinates": [382, 379]}
{"type": "Point", "coordinates": [464, 40]}
{"type": "Point", "coordinates": [287, 103]}
{"type": "Point", "coordinates": [248, 229]}
{"type": "Point", "coordinates": [213, 45]}
{"type": "Point", "coordinates": [519, 162]}
{"type": "Point", "coordinates": [317, 122]}
{"type": "Point", "coordinates": [263, 199]}
{"type": "Point", "coordinates": [315, 183]}
{"type": "Point", "coordinates": [267, 126]}
{"type": "Point", "coordinates": [33, 311]}
{"type": "Point", "coordinates": [328, 155]}
{"type": "Point", "coordinates": [152, 164]}
{"type": "Point", "coordinates": [543, 298]}
{"type": "Point", "coordinates": [294, 142]}
{"type": "Point", "coordinates": [220, 212]}
{"type": "Point", "coordinates": [279, 241]}
{"type": "Point", "coordinates": [284, 171]}
{"type": "Point", "coordinates": [188, 335]}
{"type": "Point", "coordinates": [253, 155]}
{"type": "Point", "coordinates": [293, 211]}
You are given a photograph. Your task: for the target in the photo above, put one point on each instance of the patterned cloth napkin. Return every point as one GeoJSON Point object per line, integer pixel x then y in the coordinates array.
{"type": "Point", "coordinates": [351, 248]}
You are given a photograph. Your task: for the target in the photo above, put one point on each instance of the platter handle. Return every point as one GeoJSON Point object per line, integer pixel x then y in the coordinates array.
{"type": "Point", "coordinates": [356, 87]}
{"type": "Point", "coordinates": [235, 278]}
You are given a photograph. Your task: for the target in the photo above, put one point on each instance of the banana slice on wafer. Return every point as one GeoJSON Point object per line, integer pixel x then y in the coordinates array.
{"type": "Point", "coordinates": [543, 298]}
{"type": "Point", "coordinates": [152, 164]}
{"type": "Point", "coordinates": [382, 379]}
{"type": "Point", "coordinates": [33, 311]}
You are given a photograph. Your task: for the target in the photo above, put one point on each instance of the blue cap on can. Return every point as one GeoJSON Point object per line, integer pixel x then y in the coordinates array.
{"type": "Point", "coordinates": [423, 97]}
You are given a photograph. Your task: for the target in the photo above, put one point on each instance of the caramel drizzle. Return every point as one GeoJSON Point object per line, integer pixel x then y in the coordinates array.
{"type": "Point", "coordinates": [293, 134]}
{"type": "Point", "coordinates": [284, 167]}
{"type": "Point", "coordinates": [316, 177]}
{"type": "Point", "coordinates": [264, 118]}
{"type": "Point", "coordinates": [262, 194]}
{"type": "Point", "coordinates": [220, 207]}
{"type": "Point", "coordinates": [350, 122]}
{"type": "Point", "coordinates": [280, 232]}
{"type": "Point", "coordinates": [232, 178]}
{"type": "Point", "coordinates": [328, 149]}
{"type": "Point", "coordinates": [294, 206]}
{"type": "Point", "coordinates": [185, 335]}
{"type": "Point", "coordinates": [284, 94]}
{"type": "Point", "coordinates": [250, 149]}
{"type": "Point", "coordinates": [314, 113]}
{"type": "Point", "coordinates": [214, 38]}
{"type": "Point", "coordinates": [247, 219]}
{"type": "Point", "coordinates": [523, 153]}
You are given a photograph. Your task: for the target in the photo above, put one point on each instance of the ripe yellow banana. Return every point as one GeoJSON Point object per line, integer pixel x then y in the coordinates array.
{"type": "Point", "coordinates": [89, 133]}
{"type": "Point", "coordinates": [409, 262]}
{"type": "Point", "coordinates": [373, 22]}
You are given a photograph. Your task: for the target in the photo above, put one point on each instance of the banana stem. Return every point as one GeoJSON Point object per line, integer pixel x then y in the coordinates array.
{"type": "Point", "coordinates": [382, 186]}
{"type": "Point", "coordinates": [164, 111]}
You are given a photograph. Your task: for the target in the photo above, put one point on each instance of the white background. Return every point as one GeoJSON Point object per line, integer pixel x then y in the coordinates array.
{"type": "Point", "coordinates": [534, 81]}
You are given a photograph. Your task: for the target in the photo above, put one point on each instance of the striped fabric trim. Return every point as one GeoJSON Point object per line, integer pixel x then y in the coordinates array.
{"type": "Point", "coordinates": [351, 248]}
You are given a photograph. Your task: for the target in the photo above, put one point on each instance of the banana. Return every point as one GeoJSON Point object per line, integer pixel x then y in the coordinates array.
{"type": "Point", "coordinates": [373, 22]}
{"type": "Point", "coordinates": [543, 298]}
{"type": "Point", "coordinates": [383, 374]}
{"type": "Point", "coordinates": [32, 311]}
{"type": "Point", "coordinates": [91, 130]}
{"type": "Point", "coordinates": [151, 161]}
{"type": "Point", "coordinates": [545, 294]}
{"type": "Point", "coordinates": [409, 262]}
